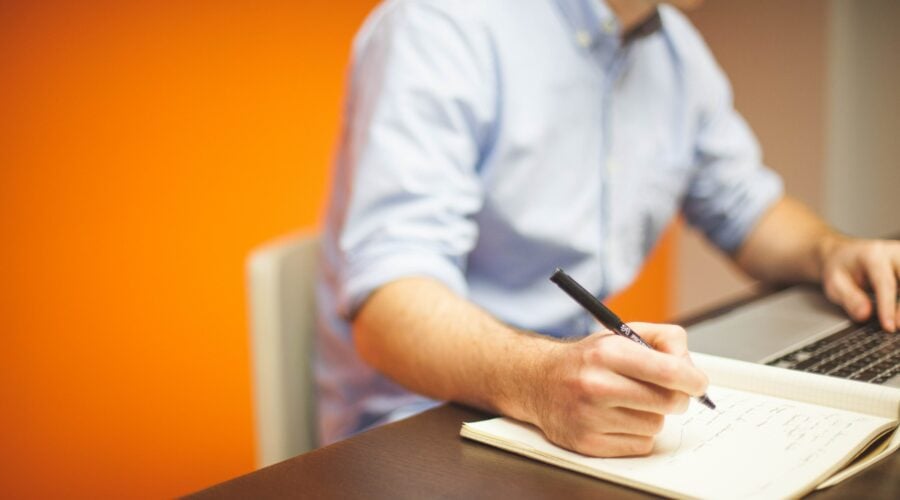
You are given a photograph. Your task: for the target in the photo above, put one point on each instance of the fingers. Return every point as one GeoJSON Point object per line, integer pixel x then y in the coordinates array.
{"type": "Point", "coordinates": [614, 445]}
{"type": "Point", "coordinates": [607, 388]}
{"type": "Point", "coordinates": [843, 290]}
{"type": "Point", "coordinates": [635, 422]}
{"type": "Point", "coordinates": [612, 396]}
{"type": "Point", "coordinates": [645, 397]}
{"type": "Point", "coordinates": [658, 368]}
{"type": "Point", "coordinates": [620, 431]}
{"type": "Point", "coordinates": [620, 420]}
{"type": "Point", "coordinates": [665, 338]}
{"type": "Point", "coordinates": [882, 276]}
{"type": "Point", "coordinates": [859, 262]}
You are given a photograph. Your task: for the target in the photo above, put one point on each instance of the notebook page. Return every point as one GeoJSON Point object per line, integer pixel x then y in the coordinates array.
{"type": "Point", "coordinates": [752, 446]}
{"type": "Point", "coordinates": [873, 457]}
{"type": "Point", "coordinates": [800, 386]}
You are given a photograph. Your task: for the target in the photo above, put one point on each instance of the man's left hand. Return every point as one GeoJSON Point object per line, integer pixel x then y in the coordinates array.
{"type": "Point", "coordinates": [850, 266]}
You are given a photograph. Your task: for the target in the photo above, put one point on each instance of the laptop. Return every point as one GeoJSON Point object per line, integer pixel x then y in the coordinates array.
{"type": "Point", "coordinates": [798, 328]}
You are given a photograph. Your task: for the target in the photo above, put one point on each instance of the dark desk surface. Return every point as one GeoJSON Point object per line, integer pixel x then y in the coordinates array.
{"type": "Point", "coordinates": [424, 457]}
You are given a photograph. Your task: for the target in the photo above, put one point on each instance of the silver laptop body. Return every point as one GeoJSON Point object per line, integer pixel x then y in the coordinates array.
{"type": "Point", "coordinates": [783, 328]}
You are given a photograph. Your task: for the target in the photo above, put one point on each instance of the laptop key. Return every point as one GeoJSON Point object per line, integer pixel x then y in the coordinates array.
{"type": "Point", "coordinates": [859, 353]}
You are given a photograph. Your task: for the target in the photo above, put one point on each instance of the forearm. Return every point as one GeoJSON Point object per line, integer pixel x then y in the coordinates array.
{"type": "Point", "coordinates": [789, 244]}
{"type": "Point", "coordinates": [602, 395]}
{"type": "Point", "coordinates": [428, 339]}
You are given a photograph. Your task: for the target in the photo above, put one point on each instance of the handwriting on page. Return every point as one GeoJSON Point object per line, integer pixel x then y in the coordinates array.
{"type": "Point", "coordinates": [747, 432]}
{"type": "Point", "coordinates": [740, 416]}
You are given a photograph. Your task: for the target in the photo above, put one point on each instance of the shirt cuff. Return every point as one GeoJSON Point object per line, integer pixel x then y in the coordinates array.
{"type": "Point", "coordinates": [365, 275]}
{"type": "Point", "coordinates": [754, 200]}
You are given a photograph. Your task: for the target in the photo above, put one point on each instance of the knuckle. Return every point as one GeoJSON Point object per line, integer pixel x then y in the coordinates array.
{"type": "Point", "coordinates": [672, 333]}
{"type": "Point", "coordinates": [577, 384]}
{"type": "Point", "coordinates": [597, 355]}
{"type": "Point", "coordinates": [832, 276]}
{"type": "Point", "coordinates": [580, 383]}
{"type": "Point", "coordinates": [612, 351]}
{"type": "Point", "coordinates": [873, 252]}
{"type": "Point", "coordinates": [679, 337]}
{"type": "Point", "coordinates": [593, 387]}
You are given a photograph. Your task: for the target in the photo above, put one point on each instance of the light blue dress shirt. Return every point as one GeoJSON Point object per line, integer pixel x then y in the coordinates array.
{"type": "Point", "coordinates": [488, 142]}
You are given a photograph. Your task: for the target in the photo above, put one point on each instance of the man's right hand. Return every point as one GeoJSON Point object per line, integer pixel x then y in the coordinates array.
{"type": "Point", "coordinates": [607, 396]}
{"type": "Point", "coordinates": [603, 395]}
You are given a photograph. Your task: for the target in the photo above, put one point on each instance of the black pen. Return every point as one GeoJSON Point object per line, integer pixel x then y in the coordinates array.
{"type": "Point", "coordinates": [606, 317]}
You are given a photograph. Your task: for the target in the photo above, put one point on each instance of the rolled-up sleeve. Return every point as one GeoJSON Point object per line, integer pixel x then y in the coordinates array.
{"type": "Point", "coordinates": [731, 189]}
{"type": "Point", "coordinates": [421, 104]}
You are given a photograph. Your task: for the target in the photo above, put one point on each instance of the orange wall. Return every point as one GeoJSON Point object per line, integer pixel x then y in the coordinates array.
{"type": "Point", "coordinates": [649, 297]}
{"type": "Point", "coordinates": [145, 148]}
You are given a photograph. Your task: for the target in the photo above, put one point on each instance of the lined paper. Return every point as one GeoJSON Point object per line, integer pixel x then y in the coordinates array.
{"type": "Point", "coordinates": [751, 446]}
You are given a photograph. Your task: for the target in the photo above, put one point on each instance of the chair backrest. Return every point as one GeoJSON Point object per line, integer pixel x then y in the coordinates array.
{"type": "Point", "coordinates": [282, 330]}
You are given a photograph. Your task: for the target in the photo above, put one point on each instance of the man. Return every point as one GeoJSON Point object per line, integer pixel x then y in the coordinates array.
{"type": "Point", "coordinates": [487, 143]}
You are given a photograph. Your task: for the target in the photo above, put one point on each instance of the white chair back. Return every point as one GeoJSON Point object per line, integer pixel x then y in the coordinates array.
{"type": "Point", "coordinates": [282, 329]}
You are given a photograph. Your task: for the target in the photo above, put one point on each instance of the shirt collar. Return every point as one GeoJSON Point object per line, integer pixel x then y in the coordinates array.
{"type": "Point", "coordinates": [648, 26]}
{"type": "Point", "coordinates": [593, 22]}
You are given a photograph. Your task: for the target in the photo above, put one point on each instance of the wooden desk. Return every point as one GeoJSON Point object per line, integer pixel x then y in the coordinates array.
{"type": "Point", "coordinates": [424, 457]}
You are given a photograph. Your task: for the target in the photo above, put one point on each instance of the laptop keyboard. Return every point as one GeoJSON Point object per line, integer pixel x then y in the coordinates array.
{"type": "Point", "coordinates": [866, 353]}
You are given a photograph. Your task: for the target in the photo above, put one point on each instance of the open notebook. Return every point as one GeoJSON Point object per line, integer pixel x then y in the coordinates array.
{"type": "Point", "coordinates": [775, 433]}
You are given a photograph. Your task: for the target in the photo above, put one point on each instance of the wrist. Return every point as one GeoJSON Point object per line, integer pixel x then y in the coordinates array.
{"type": "Point", "coordinates": [528, 377]}
{"type": "Point", "coordinates": [825, 248]}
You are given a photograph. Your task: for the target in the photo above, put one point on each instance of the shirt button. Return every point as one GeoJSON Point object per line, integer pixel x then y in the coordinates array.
{"type": "Point", "coordinates": [609, 25]}
{"type": "Point", "coordinates": [583, 37]}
